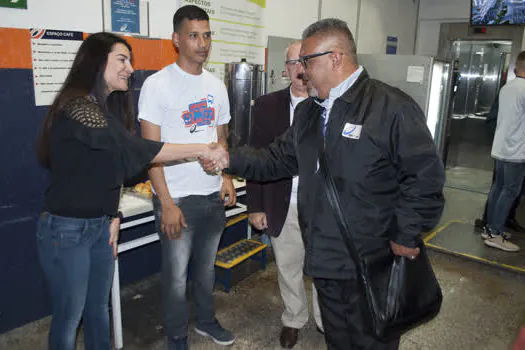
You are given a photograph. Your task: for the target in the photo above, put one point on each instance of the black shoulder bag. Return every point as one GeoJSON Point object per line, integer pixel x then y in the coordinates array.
{"type": "Point", "coordinates": [400, 293]}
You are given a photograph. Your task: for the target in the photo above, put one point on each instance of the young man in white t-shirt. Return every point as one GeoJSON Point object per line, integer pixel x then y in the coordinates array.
{"type": "Point", "coordinates": [183, 103]}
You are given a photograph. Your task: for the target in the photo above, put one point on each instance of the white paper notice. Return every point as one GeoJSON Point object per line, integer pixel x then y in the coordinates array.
{"type": "Point", "coordinates": [52, 54]}
{"type": "Point", "coordinates": [416, 74]}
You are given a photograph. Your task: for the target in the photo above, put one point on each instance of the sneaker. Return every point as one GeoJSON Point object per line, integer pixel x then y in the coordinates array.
{"type": "Point", "coordinates": [215, 331]}
{"type": "Point", "coordinates": [485, 234]}
{"type": "Point", "coordinates": [178, 343]}
{"type": "Point", "coordinates": [502, 243]}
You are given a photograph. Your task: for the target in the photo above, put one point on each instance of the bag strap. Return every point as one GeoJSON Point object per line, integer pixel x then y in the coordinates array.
{"type": "Point", "coordinates": [333, 199]}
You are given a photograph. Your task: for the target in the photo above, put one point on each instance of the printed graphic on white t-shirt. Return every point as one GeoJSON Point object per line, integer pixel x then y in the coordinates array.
{"type": "Point", "coordinates": [199, 115]}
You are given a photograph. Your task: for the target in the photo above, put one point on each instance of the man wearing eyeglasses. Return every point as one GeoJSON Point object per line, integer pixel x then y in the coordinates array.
{"type": "Point", "coordinates": [273, 206]}
{"type": "Point", "coordinates": [384, 164]}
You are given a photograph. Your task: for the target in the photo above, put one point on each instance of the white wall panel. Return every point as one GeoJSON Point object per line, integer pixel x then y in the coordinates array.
{"type": "Point", "coordinates": [342, 9]}
{"type": "Point", "coordinates": [76, 15]}
{"type": "Point", "coordinates": [161, 17]}
{"type": "Point", "coordinates": [428, 38]}
{"type": "Point", "coordinates": [431, 14]}
{"type": "Point", "coordinates": [444, 9]}
{"type": "Point", "coordinates": [380, 19]}
{"type": "Point", "coordinates": [288, 18]}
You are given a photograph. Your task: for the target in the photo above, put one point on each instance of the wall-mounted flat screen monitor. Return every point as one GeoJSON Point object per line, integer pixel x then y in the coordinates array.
{"type": "Point", "coordinates": [497, 12]}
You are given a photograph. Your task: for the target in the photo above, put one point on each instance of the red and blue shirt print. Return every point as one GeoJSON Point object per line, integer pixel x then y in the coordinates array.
{"type": "Point", "coordinates": [200, 114]}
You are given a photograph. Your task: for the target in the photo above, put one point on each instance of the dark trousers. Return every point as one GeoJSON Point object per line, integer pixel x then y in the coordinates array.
{"type": "Point", "coordinates": [341, 311]}
{"type": "Point", "coordinates": [515, 204]}
{"type": "Point", "coordinates": [504, 191]}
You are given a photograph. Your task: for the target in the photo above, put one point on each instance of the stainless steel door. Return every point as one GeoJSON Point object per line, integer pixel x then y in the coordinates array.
{"type": "Point", "coordinates": [480, 67]}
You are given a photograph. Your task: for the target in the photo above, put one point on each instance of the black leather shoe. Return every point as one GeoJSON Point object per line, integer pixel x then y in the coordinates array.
{"type": "Point", "coordinates": [288, 337]}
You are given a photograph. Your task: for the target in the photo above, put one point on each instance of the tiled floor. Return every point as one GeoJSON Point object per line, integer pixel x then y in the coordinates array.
{"type": "Point", "coordinates": [469, 179]}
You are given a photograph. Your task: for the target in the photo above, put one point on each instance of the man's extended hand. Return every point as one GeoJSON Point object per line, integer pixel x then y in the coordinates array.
{"type": "Point", "coordinates": [401, 250]}
{"type": "Point", "coordinates": [172, 220]}
{"type": "Point", "coordinates": [228, 189]}
{"type": "Point", "coordinates": [258, 220]}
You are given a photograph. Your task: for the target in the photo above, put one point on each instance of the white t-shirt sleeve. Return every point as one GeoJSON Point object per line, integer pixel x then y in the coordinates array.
{"type": "Point", "coordinates": [150, 106]}
{"type": "Point", "coordinates": [224, 106]}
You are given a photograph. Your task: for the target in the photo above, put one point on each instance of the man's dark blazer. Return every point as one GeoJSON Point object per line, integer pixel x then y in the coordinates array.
{"type": "Point", "coordinates": [270, 119]}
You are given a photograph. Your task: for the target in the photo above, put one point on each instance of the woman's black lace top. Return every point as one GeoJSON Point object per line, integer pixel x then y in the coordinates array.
{"type": "Point", "coordinates": [91, 156]}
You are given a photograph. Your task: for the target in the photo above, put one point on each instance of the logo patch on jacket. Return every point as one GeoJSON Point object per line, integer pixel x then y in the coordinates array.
{"type": "Point", "coordinates": [352, 131]}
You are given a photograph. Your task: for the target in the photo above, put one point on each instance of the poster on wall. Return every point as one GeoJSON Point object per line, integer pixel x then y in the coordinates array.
{"type": "Point", "coordinates": [52, 55]}
{"type": "Point", "coordinates": [15, 4]}
{"type": "Point", "coordinates": [391, 45]}
{"type": "Point", "coordinates": [126, 17]}
{"type": "Point", "coordinates": [237, 32]}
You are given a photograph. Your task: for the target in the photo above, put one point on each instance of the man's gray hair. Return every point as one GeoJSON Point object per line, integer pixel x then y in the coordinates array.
{"type": "Point", "coordinates": [330, 26]}
{"type": "Point", "coordinates": [292, 43]}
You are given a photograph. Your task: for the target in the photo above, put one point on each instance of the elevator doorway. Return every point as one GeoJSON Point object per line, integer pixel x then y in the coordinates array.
{"type": "Point", "coordinates": [481, 69]}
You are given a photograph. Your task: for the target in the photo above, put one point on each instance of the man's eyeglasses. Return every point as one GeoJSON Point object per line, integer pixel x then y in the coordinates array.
{"type": "Point", "coordinates": [304, 59]}
{"type": "Point", "coordinates": [292, 62]}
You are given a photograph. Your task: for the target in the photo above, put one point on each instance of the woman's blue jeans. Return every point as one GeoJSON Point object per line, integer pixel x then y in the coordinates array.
{"type": "Point", "coordinates": [78, 263]}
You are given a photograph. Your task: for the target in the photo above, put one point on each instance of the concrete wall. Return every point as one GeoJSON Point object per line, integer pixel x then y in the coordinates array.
{"type": "Point", "coordinates": [431, 14]}
{"type": "Point", "coordinates": [379, 19]}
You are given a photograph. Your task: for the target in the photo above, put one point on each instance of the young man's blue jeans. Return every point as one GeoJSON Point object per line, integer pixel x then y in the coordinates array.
{"type": "Point", "coordinates": [78, 263]}
{"type": "Point", "coordinates": [196, 249]}
{"type": "Point", "coordinates": [505, 189]}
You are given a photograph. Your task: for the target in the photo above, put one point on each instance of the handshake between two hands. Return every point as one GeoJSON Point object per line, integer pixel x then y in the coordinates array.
{"type": "Point", "coordinates": [215, 158]}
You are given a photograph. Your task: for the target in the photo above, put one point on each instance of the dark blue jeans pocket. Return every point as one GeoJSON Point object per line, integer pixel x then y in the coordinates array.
{"type": "Point", "coordinates": [61, 231]}
{"type": "Point", "coordinates": [70, 236]}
